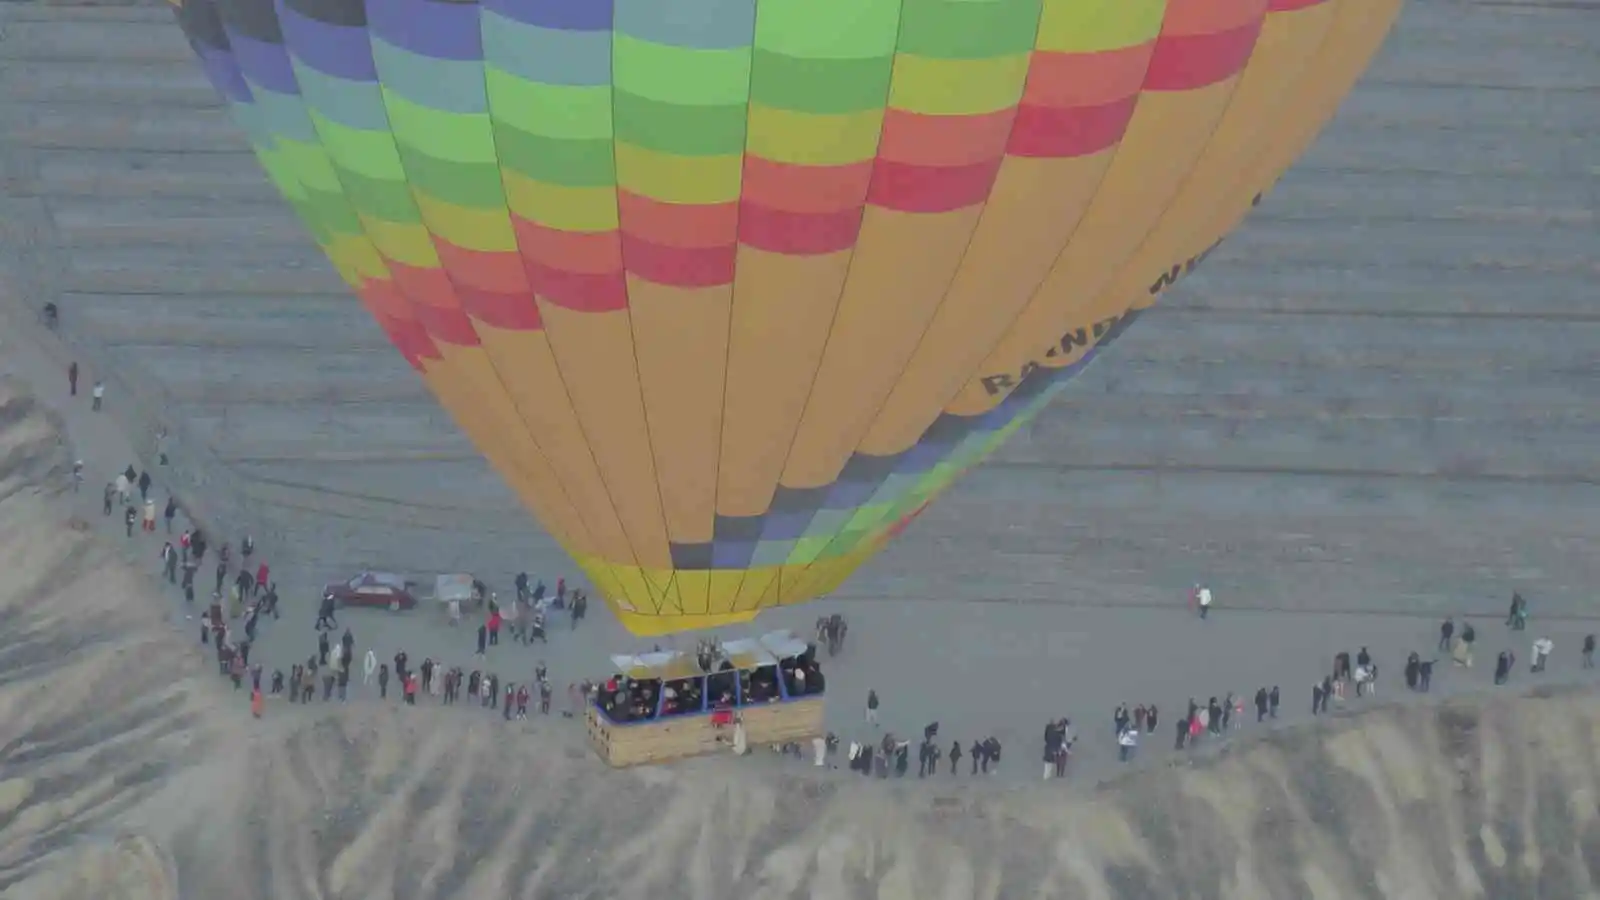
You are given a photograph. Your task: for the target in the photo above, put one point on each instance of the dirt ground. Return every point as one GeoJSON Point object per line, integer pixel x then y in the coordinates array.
{"type": "Point", "coordinates": [130, 771]}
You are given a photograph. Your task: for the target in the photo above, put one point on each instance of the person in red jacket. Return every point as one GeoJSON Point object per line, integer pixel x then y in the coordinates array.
{"type": "Point", "coordinates": [494, 628]}
{"type": "Point", "coordinates": [261, 577]}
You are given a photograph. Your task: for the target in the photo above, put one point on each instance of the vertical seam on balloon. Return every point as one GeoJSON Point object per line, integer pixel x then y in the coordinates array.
{"type": "Point", "coordinates": [1188, 179]}
{"type": "Point", "coordinates": [533, 297]}
{"type": "Point", "coordinates": [1095, 354]}
{"type": "Point", "coordinates": [727, 348]}
{"type": "Point", "coordinates": [633, 343]}
{"type": "Point", "coordinates": [555, 359]}
{"type": "Point", "coordinates": [344, 193]}
{"type": "Point", "coordinates": [1094, 199]}
{"type": "Point", "coordinates": [432, 241]}
{"type": "Point", "coordinates": [844, 286]}
{"type": "Point", "coordinates": [1105, 10]}
{"type": "Point", "coordinates": [961, 261]}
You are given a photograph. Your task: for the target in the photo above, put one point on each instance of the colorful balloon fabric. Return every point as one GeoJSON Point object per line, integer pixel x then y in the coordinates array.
{"type": "Point", "coordinates": [729, 290]}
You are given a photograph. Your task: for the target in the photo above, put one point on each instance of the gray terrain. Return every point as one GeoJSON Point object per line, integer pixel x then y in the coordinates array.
{"type": "Point", "coordinates": [1374, 407]}
{"type": "Point", "coordinates": [130, 771]}
{"type": "Point", "coordinates": [1380, 393]}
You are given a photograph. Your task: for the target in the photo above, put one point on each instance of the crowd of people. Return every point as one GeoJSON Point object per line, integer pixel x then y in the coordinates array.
{"type": "Point", "coordinates": [243, 592]}
{"type": "Point", "coordinates": [1350, 678]}
{"type": "Point", "coordinates": [892, 755]}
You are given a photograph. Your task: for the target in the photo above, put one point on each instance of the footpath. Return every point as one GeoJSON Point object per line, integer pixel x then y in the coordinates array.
{"type": "Point", "coordinates": [101, 440]}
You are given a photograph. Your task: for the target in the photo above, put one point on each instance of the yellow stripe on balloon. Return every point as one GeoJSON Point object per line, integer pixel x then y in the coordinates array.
{"type": "Point", "coordinates": [359, 255]}
{"type": "Point", "coordinates": [467, 227]}
{"type": "Point", "coordinates": [583, 209]}
{"type": "Point", "coordinates": [957, 87]}
{"type": "Point", "coordinates": [807, 139]}
{"type": "Point", "coordinates": [406, 243]}
{"type": "Point", "coordinates": [679, 179]}
{"type": "Point", "coordinates": [1086, 26]}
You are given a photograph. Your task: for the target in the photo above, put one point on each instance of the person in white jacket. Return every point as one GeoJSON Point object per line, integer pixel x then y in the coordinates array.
{"type": "Point", "coordinates": [1541, 653]}
{"type": "Point", "coordinates": [1127, 743]}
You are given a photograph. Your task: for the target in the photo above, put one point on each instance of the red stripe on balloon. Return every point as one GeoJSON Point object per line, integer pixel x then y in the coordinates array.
{"type": "Point", "coordinates": [805, 189]}
{"type": "Point", "coordinates": [1086, 79]}
{"type": "Point", "coordinates": [916, 139]}
{"type": "Point", "coordinates": [798, 233]}
{"type": "Point", "coordinates": [689, 267]}
{"type": "Point", "coordinates": [1195, 61]}
{"type": "Point", "coordinates": [1062, 133]}
{"type": "Point", "coordinates": [499, 272]}
{"type": "Point", "coordinates": [686, 225]}
{"type": "Point", "coordinates": [584, 252]}
{"type": "Point", "coordinates": [931, 189]}
{"type": "Point", "coordinates": [579, 291]}
{"type": "Point", "coordinates": [404, 332]}
{"type": "Point", "coordinates": [513, 311]}
{"type": "Point", "coordinates": [434, 303]}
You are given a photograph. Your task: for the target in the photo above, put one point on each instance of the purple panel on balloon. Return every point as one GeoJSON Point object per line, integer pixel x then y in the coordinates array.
{"type": "Point", "coordinates": [429, 28]}
{"type": "Point", "coordinates": [732, 554]}
{"type": "Point", "coordinates": [921, 458]}
{"type": "Point", "coordinates": [223, 71]}
{"type": "Point", "coordinates": [786, 526]}
{"type": "Point", "coordinates": [337, 50]}
{"type": "Point", "coordinates": [562, 15]}
{"type": "Point", "coordinates": [849, 494]}
{"type": "Point", "coordinates": [263, 64]}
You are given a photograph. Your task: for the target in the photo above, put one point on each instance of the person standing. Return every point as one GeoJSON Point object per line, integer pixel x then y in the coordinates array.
{"type": "Point", "coordinates": [169, 562]}
{"type": "Point", "coordinates": [1588, 651]}
{"type": "Point", "coordinates": [97, 395]}
{"type": "Point", "coordinates": [325, 617]}
{"type": "Point", "coordinates": [1541, 653]}
{"type": "Point", "coordinates": [1205, 601]}
{"type": "Point", "coordinates": [1127, 743]}
{"type": "Point", "coordinates": [872, 707]}
{"type": "Point", "coordinates": [72, 378]}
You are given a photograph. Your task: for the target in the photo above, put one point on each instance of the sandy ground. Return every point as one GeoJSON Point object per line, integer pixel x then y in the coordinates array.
{"type": "Point", "coordinates": [979, 669]}
{"type": "Point", "coordinates": [1051, 582]}
{"type": "Point", "coordinates": [129, 770]}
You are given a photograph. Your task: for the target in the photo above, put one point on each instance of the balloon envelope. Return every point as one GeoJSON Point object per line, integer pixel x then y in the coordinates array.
{"type": "Point", "coordinates": [729, 290]}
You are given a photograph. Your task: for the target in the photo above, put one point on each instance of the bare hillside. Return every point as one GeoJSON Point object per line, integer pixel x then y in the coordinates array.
{"type": "Point", "coordinates": [128, 773]}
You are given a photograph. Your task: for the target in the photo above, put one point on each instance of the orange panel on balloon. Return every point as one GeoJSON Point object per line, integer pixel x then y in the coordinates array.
{"type": "Point", "coordinates": [728, 291]}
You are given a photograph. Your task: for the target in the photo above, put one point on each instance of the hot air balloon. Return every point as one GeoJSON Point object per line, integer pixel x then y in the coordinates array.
{"type": "Point", "coordinates": [729, 290]}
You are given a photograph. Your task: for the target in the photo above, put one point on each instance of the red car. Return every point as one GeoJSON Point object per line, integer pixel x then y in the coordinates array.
{"type": "Point", "coordinates": [383, 590]}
